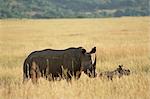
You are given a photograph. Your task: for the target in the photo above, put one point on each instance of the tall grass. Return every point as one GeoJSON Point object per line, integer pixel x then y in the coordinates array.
{"type": "Point", "coordinates": [118, 41]}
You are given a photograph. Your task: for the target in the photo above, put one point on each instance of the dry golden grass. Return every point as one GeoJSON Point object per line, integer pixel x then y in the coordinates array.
{"type": "Point", "coordinates": [118, 41]}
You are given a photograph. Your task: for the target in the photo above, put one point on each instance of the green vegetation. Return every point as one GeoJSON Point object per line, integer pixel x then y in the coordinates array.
{"type": "Point", "coordinates": [72, 8]}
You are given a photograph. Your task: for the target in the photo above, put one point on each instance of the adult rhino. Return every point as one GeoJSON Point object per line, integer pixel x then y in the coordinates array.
{"type": "Point", "coordinates": [57, 63]}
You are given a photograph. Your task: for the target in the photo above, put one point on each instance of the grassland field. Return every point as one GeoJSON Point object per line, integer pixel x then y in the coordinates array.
{"type": "Point", "coordinates": [124, 40]}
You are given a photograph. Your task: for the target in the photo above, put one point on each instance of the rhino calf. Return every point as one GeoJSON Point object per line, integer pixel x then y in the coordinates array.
{"type": "Point", "coordinates": [119, 72]}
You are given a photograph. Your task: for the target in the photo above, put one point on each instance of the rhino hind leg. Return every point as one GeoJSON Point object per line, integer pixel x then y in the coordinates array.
{"type": "Point", "coordinates": [77, 75]}
{"type": "Point", "coordinates": [34, 73]}
{"type": "Point", "coordinates": [38, 73]}
{"type": "Point", "coordinates": [33, 76]}
{"type": "Point", "coordinates": [68, 77]}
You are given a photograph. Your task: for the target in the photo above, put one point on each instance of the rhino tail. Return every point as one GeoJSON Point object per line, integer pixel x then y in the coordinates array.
{"type": "Point", "coordinates": [26, 70]}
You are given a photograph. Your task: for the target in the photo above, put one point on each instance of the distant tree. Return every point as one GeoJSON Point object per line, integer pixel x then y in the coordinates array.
{"type": "Point", "coordinates": [118, 13]}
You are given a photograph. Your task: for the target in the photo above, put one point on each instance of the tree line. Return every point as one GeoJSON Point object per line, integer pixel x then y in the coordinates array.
{"type": "Point", "coordinates": [72, 8]}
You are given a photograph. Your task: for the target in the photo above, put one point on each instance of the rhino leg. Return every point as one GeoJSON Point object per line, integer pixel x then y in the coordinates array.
{"type": "Point", "coordinates": [68, 76]}
{"type": "Point", "coordinates": [33, 76]}
{"type": "Point", "coordinates": [34, 72]}
{"type": "Point", "coordinates": [77, 75]}
{"type": "Point", "coordinates": [38, 73]}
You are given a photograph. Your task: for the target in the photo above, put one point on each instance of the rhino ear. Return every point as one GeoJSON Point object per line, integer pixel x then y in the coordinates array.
{"type": "Point", "coordinates": [93, 50]}
{"type": "Point", "coordinates": [83, 51]}
{"type": "Point", "coordinates": [120, 66]}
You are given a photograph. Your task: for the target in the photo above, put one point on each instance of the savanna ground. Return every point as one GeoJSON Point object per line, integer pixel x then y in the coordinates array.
{"type": "Point", "coordinates": [118, 41]}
